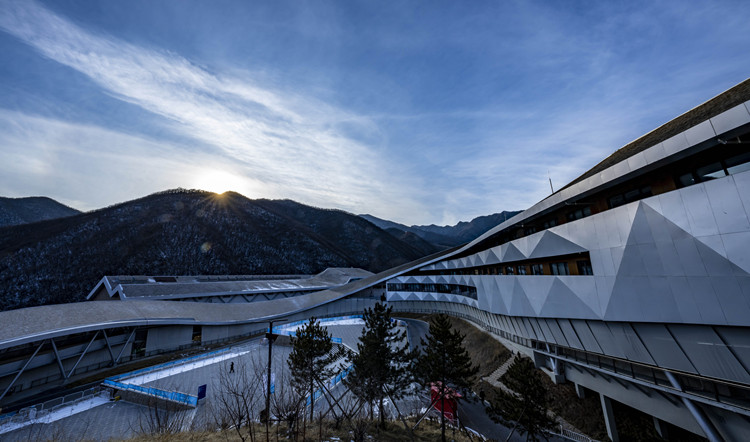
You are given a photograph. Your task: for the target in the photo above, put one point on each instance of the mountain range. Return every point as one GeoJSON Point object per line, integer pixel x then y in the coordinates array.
{"type": "Point", "coordinates": [189, 232]}
{"type": "Point", "coordinates": [445, 236]}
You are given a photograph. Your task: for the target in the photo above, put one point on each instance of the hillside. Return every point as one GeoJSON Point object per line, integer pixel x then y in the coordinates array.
{"type": "Point", "coordinates": [185, 232]}
{"type": "Point", "coordinates": [15, 211]}
{"type": "Point", "coordinates": [446, 236]}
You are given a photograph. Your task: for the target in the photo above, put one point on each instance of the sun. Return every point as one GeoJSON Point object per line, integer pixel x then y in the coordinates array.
{"type": "Point", "coordinates": [219, 181]}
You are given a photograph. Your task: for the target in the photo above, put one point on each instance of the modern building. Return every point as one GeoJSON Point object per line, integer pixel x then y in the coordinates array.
{"type": "Point", "coordinates": [632, 282]}
{"type": "Point", "coordinates": [222, 288]}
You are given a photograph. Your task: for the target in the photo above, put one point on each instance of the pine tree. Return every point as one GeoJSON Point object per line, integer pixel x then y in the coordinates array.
{"type": "Point", "coordinates": [526, 411]}
{"type": "Point", "coordinates": [309, 358]}
{"type": "Point", "coordinates": [443, 360]}
{"type": "Point", "coordinates": [380, 366]}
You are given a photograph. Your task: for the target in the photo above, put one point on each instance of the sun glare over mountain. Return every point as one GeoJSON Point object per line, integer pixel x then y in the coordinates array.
{"type": "Point", "coordinates": [219, 181]}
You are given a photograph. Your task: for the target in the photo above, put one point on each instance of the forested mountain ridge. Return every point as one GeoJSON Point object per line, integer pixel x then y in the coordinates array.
{"type": "Point", "coordinates": [447, 236]}
{"type": "Point", "coordinates": [15, 211]}
{"type": "Point", "coordinates": [184, 232]}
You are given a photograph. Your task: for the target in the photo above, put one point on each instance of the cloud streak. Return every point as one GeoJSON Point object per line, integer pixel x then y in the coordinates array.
{"type": "Point", "coordinates": [287, 143]}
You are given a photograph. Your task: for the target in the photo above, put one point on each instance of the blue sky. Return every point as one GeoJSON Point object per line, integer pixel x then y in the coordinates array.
{"type": "Point", "coordinates": [419, 112]}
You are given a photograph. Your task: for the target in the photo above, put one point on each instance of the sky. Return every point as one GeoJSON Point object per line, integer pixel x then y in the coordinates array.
{"type": "Point", "coordinates": [418, 112]}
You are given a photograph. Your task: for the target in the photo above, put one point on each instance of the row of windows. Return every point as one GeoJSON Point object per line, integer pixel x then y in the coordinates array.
{"type": "Point", "coordinates": [453, 289]}
{"type": "Point", "coordinates": [727, 166]}
{"type": "Point", "coordinates": [568, 267]}
{"type": "Point", "coordinates": [629, 196]}
{"type": "Point", "coordinates": [727, 158]}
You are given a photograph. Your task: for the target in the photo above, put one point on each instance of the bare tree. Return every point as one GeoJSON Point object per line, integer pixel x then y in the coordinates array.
{"type": "Point", "coordinates": [161, 417]}
{"type": "Point", "coordinates": [286, 401]}
{"type": "Point", "coordinates": [237, 399]}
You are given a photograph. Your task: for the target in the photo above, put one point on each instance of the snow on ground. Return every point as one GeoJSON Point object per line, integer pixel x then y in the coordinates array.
{"type": "Point", "coordinates": [58, 414]}
{"type": "Point", "coordinates": [181, 368]}
{"type": "Point", "coordinates": [350, 321]}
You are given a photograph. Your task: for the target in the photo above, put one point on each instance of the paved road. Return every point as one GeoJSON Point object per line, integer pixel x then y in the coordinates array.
{"type": "Point", "coordinates": [473, 413]}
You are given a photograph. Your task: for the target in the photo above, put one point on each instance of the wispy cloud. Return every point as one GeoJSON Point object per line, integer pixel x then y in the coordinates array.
{"type": "Point", "coordinates": [462, 113]}
{"type": "Point", "coordinates": [287, 142]}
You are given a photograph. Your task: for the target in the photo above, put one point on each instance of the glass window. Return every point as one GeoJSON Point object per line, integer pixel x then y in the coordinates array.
{"type": "Point", "coordinates": [710, 172]}
{"type": "Point", "coordinates": [686, 180]}
{"type": "Point", "coordinates": [509, 270]}
{"type": "Point", "coordinates": [549, 223]}
{"type": "Point", "coordinates": [559, 268]}
{"type": "Point", "coordinates": [616, 201]}
{"type": "Point", "coordinates": [580, 213]}
{"type": "Point", "coordinates": [632, 195]}
{"type": "Point", "coordinates": [584, 267]}
{"type": "Point", "coordinates": [738, 163]}
{"type": "Point", "coordinates": [537, 269]}
{"type": "Point", "coordinates": [521, 270]}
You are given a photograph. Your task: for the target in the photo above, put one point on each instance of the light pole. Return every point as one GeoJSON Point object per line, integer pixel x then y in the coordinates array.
{"type": "Point", "coordinates": [271, 337]}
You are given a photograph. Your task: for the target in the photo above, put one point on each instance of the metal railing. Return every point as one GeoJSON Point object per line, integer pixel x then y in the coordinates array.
{"type": "Point", "coordinates": [174, 396]}
{"type": "Point", "coordinates": [572, 435]}
{"type": "Point", "coordinates": [38, 411]}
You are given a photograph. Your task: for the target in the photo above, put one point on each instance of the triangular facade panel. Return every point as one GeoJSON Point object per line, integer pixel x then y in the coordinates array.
{"type": "Point", "coordinates": [520, 305]}
{"type": "Point", "coordinates": [511, 253]}
{"type": "Point", "coordinates": [563, 303]}
{"type": "Point", "coordinates": [536, 288]}
{"type": "Point", "coordinates": [492, 257]}
{"type": "Point", "coordinates": [413, 297]}
{"type": "Point", "coordinates": [551, 244]}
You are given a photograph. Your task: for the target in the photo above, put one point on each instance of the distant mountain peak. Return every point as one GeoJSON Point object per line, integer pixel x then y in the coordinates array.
{"type": "Point", "coordinates": [16, 211]}
{"type": "Point", "coordinates": [447, 236]}
{"type": "Point", "coordinates": [187, 232]}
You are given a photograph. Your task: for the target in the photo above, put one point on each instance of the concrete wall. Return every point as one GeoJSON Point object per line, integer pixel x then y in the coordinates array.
{"type": "Point", "coordinates": [210, 333]}
{"type": "Point", "coordinates": [168, 337]}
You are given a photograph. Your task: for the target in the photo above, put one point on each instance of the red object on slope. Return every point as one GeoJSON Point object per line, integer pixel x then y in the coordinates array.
{"type": "Point", "coordinates": [448, 405]}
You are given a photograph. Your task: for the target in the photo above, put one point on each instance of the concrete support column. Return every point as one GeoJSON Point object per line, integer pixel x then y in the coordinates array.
{"type": "Point", "coordinates": [661, 428]}
{"type": "Point", "coordinates": [700, 416]}
{"type": "Point", "coordinates": [580, 391]}
{"type": "Point", "coordinates": [558, 372]}
{"type": "Point", "coordinates": [609, 418]}
{"type": "Point", "coordinates": [540, 360]}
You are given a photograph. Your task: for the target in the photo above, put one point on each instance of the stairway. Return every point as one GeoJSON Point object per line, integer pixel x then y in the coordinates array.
{"type": "Point", "coordinates": [494, 377]}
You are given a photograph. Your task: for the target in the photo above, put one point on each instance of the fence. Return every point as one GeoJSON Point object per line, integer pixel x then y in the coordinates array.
{"type": "Point", "coordinates": [168, 364]}
{"type": "Point", "coordinates": [331, 383]}
{"type": "Point", "coordinates": [174, 396]}
{"type": "Point", "coordinates": [38, 411]}
{"type": "Point", "coordinates": [572, 435]}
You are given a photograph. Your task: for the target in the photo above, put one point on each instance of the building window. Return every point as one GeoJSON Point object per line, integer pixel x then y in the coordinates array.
{"type": "Point", "coordinates": [537, 269]}
{"type": "Point", "coordinates": [738, 163]}
{"type": "Point", "coordinates": [584, 267]}
{"type": "Point", "coordinates": [579, 213]}
{"type": "Point", "coordinates": [509, 270]}
{"type": "Point", "coordinates": [521, 270]}
{"type": "Point", "coordinates": [686, 180]}
{"type": "Point", "coordinates": [731, 165]}
{"type": "Point", "coordinates": [550, 223]}
{"type": "Point", "coordinates": [710, 172]}
{"type": "Point", "coordinates": [559, 268]}
{"type": "Point", "coordinates": [629, 196]}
